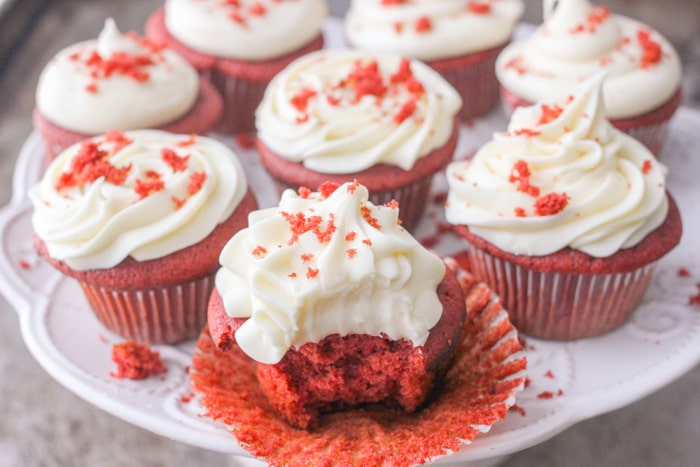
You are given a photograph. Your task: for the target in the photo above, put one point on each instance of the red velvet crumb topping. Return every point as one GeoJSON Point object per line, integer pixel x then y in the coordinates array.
{"type": "Point", "coordinates": [371, 220]}
{"type": "Point", "coordinates": [423, 24]}
{"type": "Point", "coordinates": [170, 157]}
{"type": "Point", "coordinates": [549, 113]}
{"type": "Point", "coordinates": [367, 80]}
{"type": "Point", "coordinates": [119, 63]}
{"type": "Point", "coordinates": [118, 139]}
{"type": "Point", "coordinates": [299, 224]}
{"type": "Point", "coordinates": [326, 189]}
{"type": "Point", "coordinates": [646, 166]}
{"type": "Point", "coordinates": [520, 175]}
{"type": "Point", "coordinates": [479, 8]}
{"type": "Point", "coordinates": [259, 251]}
{"type": "Point", "coordinates": [187, 142]}
{"type": "Point", "coordinates": [312, 273]}
{"type": "Point", "coordinates": [304, 192]}
{"type": "Point", "coordinates": [301, 100]}
{"type": "Point", "coordinates": [197, 179]}
{"type": "Point", "coordinates": [145, 188]}
{"type": "Point", "coordinates": [594, 19]}
{"type": "Point", "coordinates": [551, 203]}
{"type": "Point", "coordinates": [651, 50]}
{"type": "Point", "coordinates": [89, 164]}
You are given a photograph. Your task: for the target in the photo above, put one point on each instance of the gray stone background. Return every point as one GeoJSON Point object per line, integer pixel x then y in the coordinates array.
{"type": "Point", "coordinates": [43, 424]}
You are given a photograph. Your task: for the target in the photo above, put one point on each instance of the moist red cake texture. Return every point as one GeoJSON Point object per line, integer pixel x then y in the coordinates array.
{"type": "Point", "coordinates": [200, 119]}
{"type": "Point", "coordinates": [477, 390]}
{"type": "Point", "coordinates": [345, 371]}
{"type": "Point", "coordinates": [241, 83]}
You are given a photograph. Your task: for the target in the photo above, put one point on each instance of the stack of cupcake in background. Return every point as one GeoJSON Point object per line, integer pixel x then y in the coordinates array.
{"type": "Point", "coordinates": [579, 39]}
{"type": "Point", "coordinates": [239, 45]}
{"type": "Point", "coordinates": [562, 214]}
{"type": "Point", "coordinates": [120, 82]}
{"type": "Point", "coordinates": [459, 39]}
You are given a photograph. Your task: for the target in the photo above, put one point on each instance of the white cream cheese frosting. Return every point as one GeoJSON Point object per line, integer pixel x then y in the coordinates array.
{"type": "Point", "coordinates": [116, 82]}
{"type": "Point", "coordinates": [143, 194]}
{"type": "Point", "coordinates": [326, 263]}
{"type": "Point", "coordinates": [431, 29]}
{"type": "Point", "coordinates": [578, 40]}
{"type": "Point", "coordinates": [561, 176]}
{"type": "Point", "coordinates": [342, 111]}
{"type": "Point", "coordinates": [252, 30]}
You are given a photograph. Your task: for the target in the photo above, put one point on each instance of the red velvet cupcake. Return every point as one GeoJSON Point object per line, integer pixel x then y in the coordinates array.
{"type": "Point", "coordinates": [485, 373]}
{"type": "Point", "coordinates": [139, 219]}
{"type": "Point", "coordinates": [577, 39]}
{"type": "Point", "coordinates": [116, 83]}
{"type": "Point", "coordinates": [239, 46]}
{"type": "Point", "coordinates": [461, 40]}
{"type": "Point", "coordinates": [342, 115]}
{"type": "Point", "coordinates": [337, 303]}
{"type": "Point", "coordinates": [564, 217]}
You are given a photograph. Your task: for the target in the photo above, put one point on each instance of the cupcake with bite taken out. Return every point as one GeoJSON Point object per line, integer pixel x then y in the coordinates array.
{"type": "Point", "coordinates": [239, 45]}
{"type": "Point", "coordinates": [458, 38]}
{"type": "Point", "coordinates": [120, 82]}
{"type": "Point", "coordinates": [565, 216]}
{"type": "Point", "coordinates": [337, 303]}
{"type": "Point", "coordinates": [139, 219]}
{"type": "Point", "coordinates": [341, 115]}
{"type": "Point", "coordinates": [577, 40]}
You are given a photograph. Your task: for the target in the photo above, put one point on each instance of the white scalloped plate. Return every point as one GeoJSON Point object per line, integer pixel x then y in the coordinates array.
{"type": "Point", "coordinates": [658, 345]}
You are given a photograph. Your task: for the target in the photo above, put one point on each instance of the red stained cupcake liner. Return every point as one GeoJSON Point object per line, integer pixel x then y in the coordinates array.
{"type": "Point", "coordinates": [477, 391]}
{"type": "Point", "coordinates": [561, 306]}
{"type": "Point", "coordinates": [651, 129]}
{"type": "Point", "coordinates": [164, 315]}
{"type": "Point", "coordinates": [241, 97]}
{"type": "Point", "coordinates": [474, 78]}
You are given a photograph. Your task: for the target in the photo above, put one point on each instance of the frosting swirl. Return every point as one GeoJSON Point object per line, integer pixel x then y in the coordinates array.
{"type": "Point", "coordinates": [116, 82]}
{"type": "Point", "coordinates": [342, 111]}
{"type": "Point", "coordinates": [561, 176]}
{"type": "Point", "coordinates": [143, 194]}
{"type": "Point", "coordinates": [578, 40]}
{"type": "Point", "coordinates": [431, 29]}
{"type": "Point", "coordinates": [327, 263]}
{"type": "Point", "coordinates": [245, 29]}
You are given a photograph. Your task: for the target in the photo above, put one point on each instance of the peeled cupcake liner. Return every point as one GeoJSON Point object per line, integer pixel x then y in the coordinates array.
{"type": "Point", "coordinates": [651, 129]}
{"type": "Point", "coordinates": [488, 370]}
{"type": "Point", "coordinates": [561, 306]}
{"type": "Point", "coordinates": [474, 77]}
{"type": "Point", "coordinates": [159, 315]}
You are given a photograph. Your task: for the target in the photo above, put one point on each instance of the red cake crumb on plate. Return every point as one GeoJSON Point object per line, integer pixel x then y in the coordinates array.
{"type": "Point", "coordinates": [136, 361]}
{"type": "Point", "coordinates": [477, 390]}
